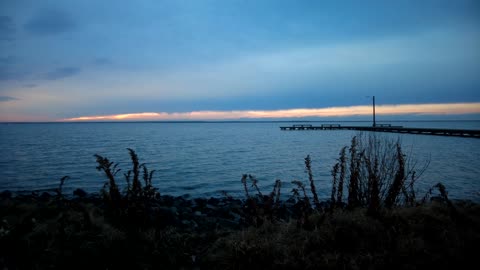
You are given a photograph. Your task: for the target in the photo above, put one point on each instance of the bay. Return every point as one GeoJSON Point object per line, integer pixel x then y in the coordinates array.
{"type": "Point", "coordinates": [203, 159]}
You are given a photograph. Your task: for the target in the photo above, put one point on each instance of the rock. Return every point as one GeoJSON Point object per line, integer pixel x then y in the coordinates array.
{"type": "Point", "coordinates": [80, 193]}
{"type": "Point", "coordinates": [45, 196]}
{"type": "Point", "coordinates": [223, 212]}
{"type": "Point", "coordinates": [168, 200]}
{"type": "Point", "coordinates": [167, 214]}
{"type": "Point", "coordinates": [226, 223]}
{"type": "Point", "coordinates": [186, 203]}
{"type": "Point", "coordinates": [186, 209]}
{"type": "Point", "coordinates": [211, 207]}
{"type": "Point", "coordinates": [213, 201]}
{"type": "Point", "coordinates": [189, 223]}
{"type": "Point", "coordinates": [236, 204]}
{"type": "Point", "coordinates": [290, 201]}
{"type": "Point", "coordinates": [181, 202]}
{"type": "Point", "coordinates": [236, 217]}
{"type": "Point", "coordinates": [200, 202]}
{"type": "Point", "coordinates": [438, 199]}
{"type": "Point", "coordinates": [194, 224]}
{"type": "Point", "coordinates": [174, 210]}
{"type": "Point", "coordinates": [325, 205]}
{"type": "Point", "coordinates": [7, 194]}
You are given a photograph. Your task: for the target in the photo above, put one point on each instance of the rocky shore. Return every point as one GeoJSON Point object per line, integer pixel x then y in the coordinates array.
{"type": "Point", "coordinates": [182, 212]}
{"type": "Point", "coordinates": [49, 231]}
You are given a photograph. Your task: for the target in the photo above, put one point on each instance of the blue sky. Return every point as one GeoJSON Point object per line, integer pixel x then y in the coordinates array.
{"type": "Point", "coordinates": [66, 59]}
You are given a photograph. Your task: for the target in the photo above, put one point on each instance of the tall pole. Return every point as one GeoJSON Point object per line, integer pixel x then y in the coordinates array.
{"type": "Point", "coordinates": [374, 124]}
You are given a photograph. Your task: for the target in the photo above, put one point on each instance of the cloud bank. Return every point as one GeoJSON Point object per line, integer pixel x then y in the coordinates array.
{"type": "Point", "coordinates": [61, 73]}
{"type": "Point", "coordinates": [7, 98]}
{"type": "Point", "coordinates": [404, 109]}
{"type": "Point", "coordinates": [50, 22]}
{"type": "Point", "coordinates": [7, 28]}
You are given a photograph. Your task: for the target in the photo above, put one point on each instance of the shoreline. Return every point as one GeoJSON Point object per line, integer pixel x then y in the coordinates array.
{"type": "Point", "coordinates": [176, 232]}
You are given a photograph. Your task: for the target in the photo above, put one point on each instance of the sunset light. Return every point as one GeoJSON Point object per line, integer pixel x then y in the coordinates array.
{"type": "Point", "coordinates": [404, 109]}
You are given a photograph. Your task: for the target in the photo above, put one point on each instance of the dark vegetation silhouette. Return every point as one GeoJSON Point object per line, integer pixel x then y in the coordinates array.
{"type": "Point", "coordinates": [372, 219]}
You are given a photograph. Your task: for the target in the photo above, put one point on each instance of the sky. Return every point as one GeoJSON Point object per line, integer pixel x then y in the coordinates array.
{"type": "Point", "coordinates": [86, 60]}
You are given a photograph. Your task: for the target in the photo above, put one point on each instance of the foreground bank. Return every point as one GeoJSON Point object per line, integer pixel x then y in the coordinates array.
{"type": "Point", "coordinates": [45, 232]}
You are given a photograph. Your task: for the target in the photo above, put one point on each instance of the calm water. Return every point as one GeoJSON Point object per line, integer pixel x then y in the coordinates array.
{"type": "Point", "coordinates": [203, 158]}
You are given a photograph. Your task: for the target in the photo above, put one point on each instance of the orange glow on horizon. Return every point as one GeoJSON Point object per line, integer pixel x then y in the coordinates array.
{"type": "Point", "coordinates": [402, 109]}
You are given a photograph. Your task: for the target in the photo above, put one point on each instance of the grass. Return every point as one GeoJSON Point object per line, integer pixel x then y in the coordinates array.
{"type": "Point", "coordinates": [372, 220]}
{"type": "Point", "coordinates": [427, 237]}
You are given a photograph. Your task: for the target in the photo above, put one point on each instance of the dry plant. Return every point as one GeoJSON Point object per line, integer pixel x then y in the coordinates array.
{"type": "Point", "coordinates": [379, 174]}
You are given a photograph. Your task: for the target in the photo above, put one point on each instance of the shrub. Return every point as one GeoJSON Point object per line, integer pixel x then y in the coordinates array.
{"type": "Point", "coordinates": [259, 208]}
{"type": "Point", "coordinates": [136, 201]}
{"type": "Point", "coordinates": [378, 174]}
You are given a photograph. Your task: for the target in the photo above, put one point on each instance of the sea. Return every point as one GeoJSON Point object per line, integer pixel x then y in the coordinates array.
{"type": "Point", "coordinates": [208, 159]}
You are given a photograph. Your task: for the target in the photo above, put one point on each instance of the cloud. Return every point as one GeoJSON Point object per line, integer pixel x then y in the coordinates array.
{"type": "Point", "coordinates": [102, 61]}
{"type": "Point", "coordinates": [8, 70]}
{"type": "Point", "coordinates": [6, 60]}
{"type": "Point", "coordinates": [7, 98]}
{"type": "Point", "coordinates": [407, 66]}
{"type": "Point", "coordinates": [50, 22]}
{"type": "Point", "coordinates": [402, 109]}
{"type": "Point", "coordinates": [7, 74]}
{"type": "Point", "coordinates": [61, 73]}
{"type": "Point", "coordinates": [7, 28]}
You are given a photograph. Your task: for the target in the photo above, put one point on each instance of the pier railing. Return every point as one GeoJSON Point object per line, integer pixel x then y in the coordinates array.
{"type": "Point", "coordinates": [392, 129]}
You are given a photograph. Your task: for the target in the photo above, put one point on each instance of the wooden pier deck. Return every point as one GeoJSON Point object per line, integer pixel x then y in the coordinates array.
{"type": "Point", "coordinates": [393, 129]}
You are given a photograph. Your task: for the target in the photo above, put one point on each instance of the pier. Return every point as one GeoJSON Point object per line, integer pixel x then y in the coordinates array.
{"type": "Point", "coordinates": [392, 129]}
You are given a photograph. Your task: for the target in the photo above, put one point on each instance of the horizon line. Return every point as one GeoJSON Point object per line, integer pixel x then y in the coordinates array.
{"type": "Point", "coordinates": [229, 121]}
